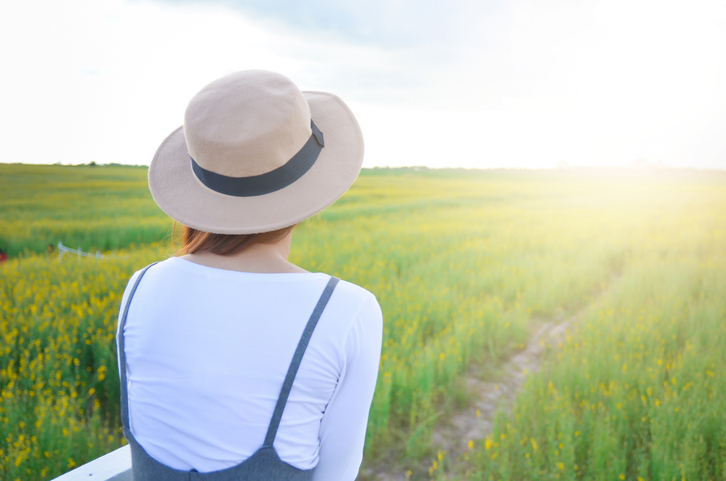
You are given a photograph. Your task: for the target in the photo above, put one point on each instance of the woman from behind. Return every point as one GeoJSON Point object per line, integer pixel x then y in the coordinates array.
{"type": "Point", "coordinates": [236, 364]}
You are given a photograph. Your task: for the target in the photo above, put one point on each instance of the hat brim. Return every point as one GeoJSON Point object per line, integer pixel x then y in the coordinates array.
{"type": "Point", "coordinates": [180, 194]}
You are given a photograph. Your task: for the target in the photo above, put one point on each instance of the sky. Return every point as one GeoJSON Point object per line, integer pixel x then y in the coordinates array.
{"type": "Point", "coordinates": [461, 83]}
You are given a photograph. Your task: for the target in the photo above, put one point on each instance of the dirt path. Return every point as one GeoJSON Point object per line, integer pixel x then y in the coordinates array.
{"type": "Point", "coordinates": [487, 390]}
{"type": "Point", "coordinates": [453, 433]}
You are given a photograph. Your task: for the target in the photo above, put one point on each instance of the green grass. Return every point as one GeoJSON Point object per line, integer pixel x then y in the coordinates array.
{"type": "Point", "coordinates": [637, 392]}
{"type": "Point", "coordinates": [90, 207]}
{"type": "Point", "coordinates": [464, 264]}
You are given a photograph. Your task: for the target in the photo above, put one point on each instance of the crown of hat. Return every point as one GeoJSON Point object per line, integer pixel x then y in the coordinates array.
{"type": "Point", "coordinates": [246, 123]}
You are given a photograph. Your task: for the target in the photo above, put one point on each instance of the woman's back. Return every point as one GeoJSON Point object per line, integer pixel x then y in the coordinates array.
{"type": "Point", "coordinates": [207, 350]}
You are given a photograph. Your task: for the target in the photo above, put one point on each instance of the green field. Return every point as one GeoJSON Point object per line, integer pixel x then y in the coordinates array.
{"type": "Point", "coordinates": [92, 207]}
{"type": "Point", "coordinates": [465, 264]}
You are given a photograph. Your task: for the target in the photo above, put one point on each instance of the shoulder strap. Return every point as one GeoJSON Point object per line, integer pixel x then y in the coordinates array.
{"type": "Point", "coordinates": [122, 353]}
{"type": "Point", "coordinates": [296, 359]}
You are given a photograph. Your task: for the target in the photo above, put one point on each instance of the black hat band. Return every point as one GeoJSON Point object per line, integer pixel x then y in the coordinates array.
{"type": "Point", "coordinates": [268, 182]}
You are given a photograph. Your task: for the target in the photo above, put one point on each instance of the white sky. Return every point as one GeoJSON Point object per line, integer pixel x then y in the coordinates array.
{"type": "Point", "coordinates": [505, 83]}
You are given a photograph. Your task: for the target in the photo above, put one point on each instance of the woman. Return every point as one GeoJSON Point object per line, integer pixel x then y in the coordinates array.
{"type": "Point", "coordinates": [239, 364]}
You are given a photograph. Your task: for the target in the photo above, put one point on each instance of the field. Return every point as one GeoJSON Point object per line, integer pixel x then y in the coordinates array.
{"type": "Point", "coordinates": [466, 265]}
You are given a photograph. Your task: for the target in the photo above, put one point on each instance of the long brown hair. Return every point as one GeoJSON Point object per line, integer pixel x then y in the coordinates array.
{"type": "Point", "coordinates": [197, 241]}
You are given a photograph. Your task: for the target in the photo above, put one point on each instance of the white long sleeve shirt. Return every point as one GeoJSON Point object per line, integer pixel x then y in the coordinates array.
{"type": "Point", "coordinates": [207, 351]}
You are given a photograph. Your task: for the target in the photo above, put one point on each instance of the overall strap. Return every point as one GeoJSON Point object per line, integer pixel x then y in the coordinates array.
{"type": "Point", "coordinates": [122, 353]}
{"type": "Point", "coordinates": [296, 358]}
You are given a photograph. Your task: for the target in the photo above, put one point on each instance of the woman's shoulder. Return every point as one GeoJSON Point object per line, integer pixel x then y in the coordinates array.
{"type": "Point", "coordinates": [358, 304]}
{"type": "Point", "coordinates": [354, 291]}
{"type": "Point", "coordinates": [175, 271]}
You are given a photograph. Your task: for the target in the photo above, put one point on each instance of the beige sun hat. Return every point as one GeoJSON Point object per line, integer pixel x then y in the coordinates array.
{"type": "Point", "coordinates": [256, 154]}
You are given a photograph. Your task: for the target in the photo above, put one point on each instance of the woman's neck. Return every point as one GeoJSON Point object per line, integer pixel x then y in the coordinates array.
{"type": "Point", "coordinates": [262, 258]}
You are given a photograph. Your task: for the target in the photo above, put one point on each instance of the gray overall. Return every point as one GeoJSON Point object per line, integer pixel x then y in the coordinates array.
{"type": "Point", "coordinates": [264, 464]}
